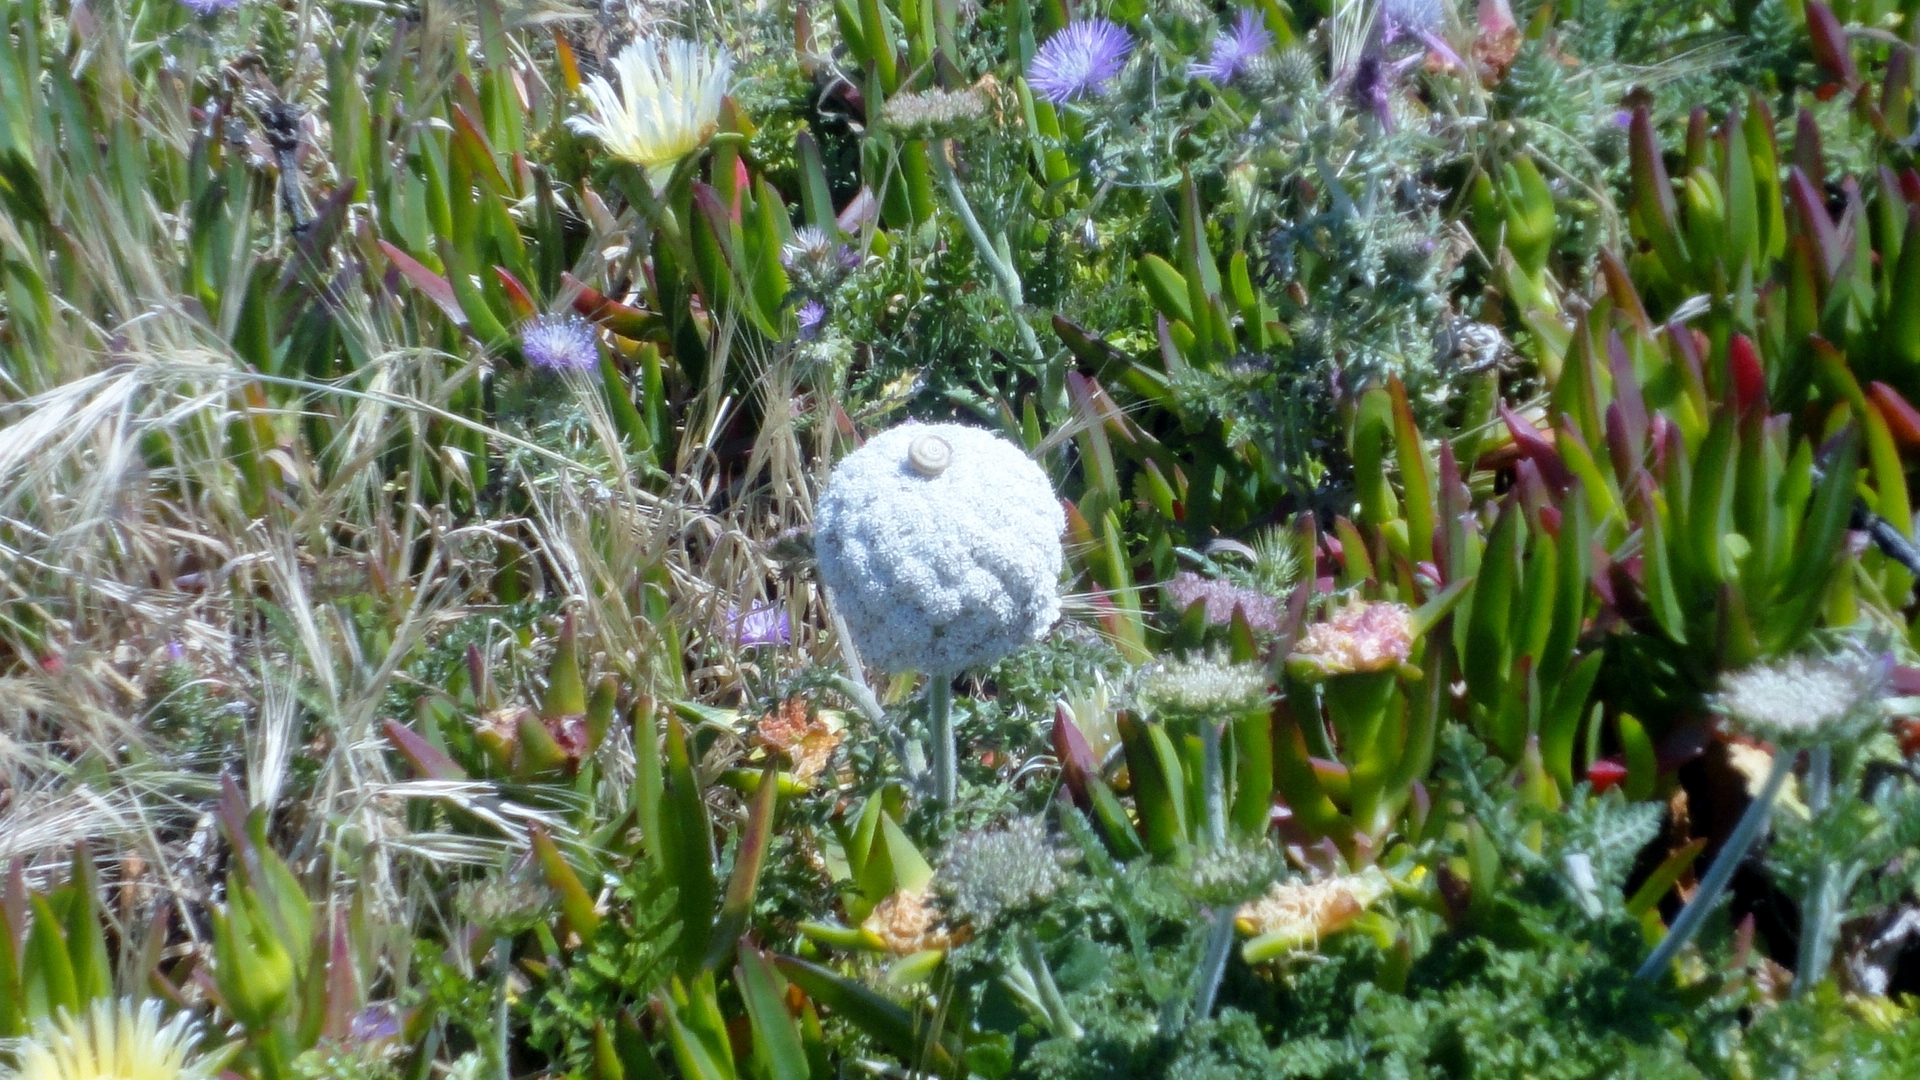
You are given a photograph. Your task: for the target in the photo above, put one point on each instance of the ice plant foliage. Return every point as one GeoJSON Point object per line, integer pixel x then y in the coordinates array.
{"type": "Point", "coordinates": [210, 7]}
{"type": "Point", "coordinates": [1361, 636]}
{"type": "Point", "coordinates": [114, 1040]}
{"type": "Point", "coordinates": [666, 106]}
{"type": "Point", "coordinates": [1804, 699]}
{"type": "Point", "coordinates": [1080, 60]}
{"type": "Point", "coordinates": [1235, 48]}
{"type": "Point", "coordinates": [560, 343]}
{"type": "Point", "coordinates": [940, 547]}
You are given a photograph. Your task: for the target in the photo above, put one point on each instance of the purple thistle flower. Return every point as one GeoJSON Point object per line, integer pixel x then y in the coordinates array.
{"type": "Point", "coordinates": [1234, 48]}
{"type": "Point", "coordinates": [812, 314]}
{"type": "Point", "coordinates": [374, 1022]}
{"type": "Point", "coordinates": [760, 624]}
{"type": "Point", "coordinates": [560, 343]}
{"type": "Point", "coordinates": [1079, 60]}
{"type": "Point", "coordinates": [1415, 17]}
{"type": "Point", "coordinates": [210, 7]}
{"type": "Point", "coordinates": [1219, 599]}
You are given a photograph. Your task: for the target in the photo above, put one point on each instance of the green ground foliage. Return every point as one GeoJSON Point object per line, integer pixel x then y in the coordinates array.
{"type": "Point", "coordinates": [1486, 642]}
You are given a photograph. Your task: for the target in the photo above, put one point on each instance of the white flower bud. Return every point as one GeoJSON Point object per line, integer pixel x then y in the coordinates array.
{"type": "Point", "coordinates": [939, 546]}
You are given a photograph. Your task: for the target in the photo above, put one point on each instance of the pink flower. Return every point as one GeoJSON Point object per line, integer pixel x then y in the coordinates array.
{"type": "Point", "coordinates": [1362, 636]}
{"type": "Point", "coordinates": [1261, 611]}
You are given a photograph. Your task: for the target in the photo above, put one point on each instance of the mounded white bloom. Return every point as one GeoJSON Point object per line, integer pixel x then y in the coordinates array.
{"type": "Point", "coordinates": [1802, 699]}
{"type": "Point", "coordinates": [939, 545]}
{"type": "Point", "coordinates": [114, 1040]}
{"type": "Point", "coordinates": [666, 107]}
{"type": "Point", "coordinates": [1203, 688]}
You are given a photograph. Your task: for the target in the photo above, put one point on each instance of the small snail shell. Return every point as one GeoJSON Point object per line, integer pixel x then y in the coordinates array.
{"type": "Point", "coordinates": [929, 455]}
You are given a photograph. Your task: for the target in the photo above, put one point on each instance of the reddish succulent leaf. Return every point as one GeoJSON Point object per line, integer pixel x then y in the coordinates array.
{"type": "Point", "coordinates": [1746, 379]}
{"type": "Point", "coordinates": [519, 300]}
{"type": "Point", "coordinates": [628, 322]}
{"type": "Point", "coordinates": [426, 759]}
{"type": "Point", "coordinates": [1903, 420]}
{"type": "Point", "coordinates": [343, 985]}
{"type": "Point", "coordinates": [433, 285]}
{"type": "Point", "coordinates": [1077, 763]}
{"type": "Point", "coordinates": [1812, 209]}
{"type": "Point", "coordinates": [1808, 151]}
{"type": "Point", "coordinates": [1621, 291]}
{"type": "Point", "coordinates": [1829, 43]}
{"type": "Point", "coordinates": [469, 139]}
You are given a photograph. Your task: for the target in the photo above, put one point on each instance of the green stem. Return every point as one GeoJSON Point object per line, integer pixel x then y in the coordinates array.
{"type": "Point", "coordinates": [502, 965]}
{"type": "Point", "coordinates": [1752, 825]}
{"type": "Point", "coordinates": [946, 771]}
{"type": "Point", "coordinates": [1213, 967]}
{"type": "Point", "coordinates": [1051, 1000]}
{"type": "Point", "coordinates": [1817, 909]}
{"type": "Point", "coordinates": [989, 252]}
{"type": "Point", "coordinates": [1214, 780]}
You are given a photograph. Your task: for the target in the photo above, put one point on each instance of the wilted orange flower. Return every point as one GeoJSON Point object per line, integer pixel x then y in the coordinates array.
{"type": "Point", "coordinates": [1296, 914]}
{"type": "Point", "coordinates": [806, 740]}
{"type": "Point", "coordinates": [1362, 636]}
{"type": "Point", "coordinates": [907, 923]}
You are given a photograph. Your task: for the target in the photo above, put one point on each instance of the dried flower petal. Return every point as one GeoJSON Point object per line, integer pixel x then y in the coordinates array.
{"type": "Point", "coordinates": [1298, 914]}
{"type": "Point", "coordinates": [908, 922]}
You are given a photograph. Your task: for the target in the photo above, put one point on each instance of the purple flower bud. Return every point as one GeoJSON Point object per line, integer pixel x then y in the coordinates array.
{"type": "Point", "coordinates": [1232, 50]}
{"type": "Point", "coordinates": [760, 624]}
{"type": "Point", "coordinates": [812, 315]}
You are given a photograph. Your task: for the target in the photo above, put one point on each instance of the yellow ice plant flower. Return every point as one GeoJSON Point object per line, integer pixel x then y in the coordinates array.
{"type": "Point", "coordinates": [114, 1040]}
{"type": "Point", "coordinates": [666, 107]}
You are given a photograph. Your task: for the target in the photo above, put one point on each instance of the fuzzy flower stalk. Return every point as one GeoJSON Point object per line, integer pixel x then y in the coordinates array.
{"type": "Point", "coordinates": [990, 876]}
{"type": "Point", "coordinates": [939, 547]}
{"type": "Point", "coordinates": [1801, 703]}
{"type": "Point", "coordinates": [114, 1040]}
{"type": "Point", "coordinates": [1210, 692]}
{"type": "Point", "coordinates": [666, 107]}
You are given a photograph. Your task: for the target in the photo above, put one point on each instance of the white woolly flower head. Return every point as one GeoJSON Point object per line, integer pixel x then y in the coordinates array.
{"type": "Point", "coordinates": [939, 545]}
{"type": "Point", "coordinates": [666, 107]}
{"type": "Point", "coordinates": [1805, 699]}
{"type": "Point", "coordinates": [1203, 688]}
{"type": "Point", "coordinates": [114, 1040]}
